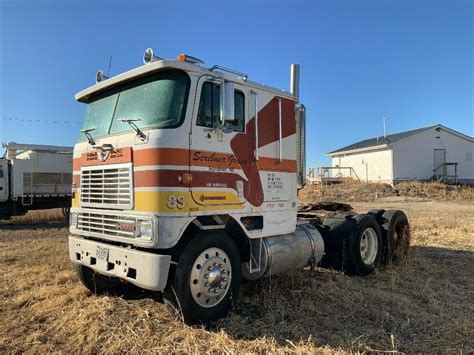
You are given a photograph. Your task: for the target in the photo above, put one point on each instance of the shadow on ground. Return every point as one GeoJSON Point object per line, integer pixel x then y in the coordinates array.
{"type": "Point", "coordinates": [422, 303]}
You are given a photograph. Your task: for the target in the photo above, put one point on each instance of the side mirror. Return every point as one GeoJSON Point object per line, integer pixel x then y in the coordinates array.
{"type": "Point", "coordinates": [227, 102]}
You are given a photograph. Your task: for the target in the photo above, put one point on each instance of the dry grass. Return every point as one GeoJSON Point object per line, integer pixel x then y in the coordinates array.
{"type": "Point", "coordinates": [425, 304]}
{"type": "Point", "coordinates": [435, 190]}
{"type": "Point", "coordinates": [345, 192]}
{"type": "Point", "coordinates": [38, 216]}
{"type": "Point", "coordinates": [355, 191]}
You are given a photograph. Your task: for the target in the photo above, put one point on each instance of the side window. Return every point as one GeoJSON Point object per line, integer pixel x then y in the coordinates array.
{"type": "Point", "coordinates": [239, 112]}
{"type": "Point", "coordinates": [210, 107]}
{"type": "Point", "coordinates": [1, 171]}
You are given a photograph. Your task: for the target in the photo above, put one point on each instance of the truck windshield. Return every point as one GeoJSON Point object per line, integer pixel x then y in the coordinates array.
{"type": "Point", "coordinates": [158, 101]}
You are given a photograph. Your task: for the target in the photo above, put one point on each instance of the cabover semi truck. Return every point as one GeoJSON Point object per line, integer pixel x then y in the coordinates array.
{"type": "Point", "coordinates": [185, 181]}
{"type": "Point", "coordinates": [34, 177]}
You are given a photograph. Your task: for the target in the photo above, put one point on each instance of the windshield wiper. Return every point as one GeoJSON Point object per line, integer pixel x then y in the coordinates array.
{"type": "Point", "coordinates": [131, 122]}
{"type": "Point", "coordinates": [86, 132]}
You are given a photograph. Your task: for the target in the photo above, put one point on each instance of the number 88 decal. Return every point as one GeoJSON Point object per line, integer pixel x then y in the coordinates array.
{"type": "Point", "coordinates": [174, 202]}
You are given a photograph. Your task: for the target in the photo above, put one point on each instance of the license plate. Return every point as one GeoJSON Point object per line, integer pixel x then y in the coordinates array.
{"type": "Point", "coordinates": [102, 253]}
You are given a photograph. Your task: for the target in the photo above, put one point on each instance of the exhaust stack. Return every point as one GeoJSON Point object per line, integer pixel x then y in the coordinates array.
{"type": "Point", "coordinates": [295, 81]}
{"type": "Point", "coordinates": [300, 113]}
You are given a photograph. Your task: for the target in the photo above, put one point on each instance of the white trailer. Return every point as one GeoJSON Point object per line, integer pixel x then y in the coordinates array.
{"type": "Point", "coordinates": [34, 177]}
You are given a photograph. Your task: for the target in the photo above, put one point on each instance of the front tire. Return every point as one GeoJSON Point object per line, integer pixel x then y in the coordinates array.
{"type": "Point", "coordinates": [206, 282]}
{"type": "Point", "coordinates": [101, 284]}
{"type": "Point", "coordinates": [362, 249]}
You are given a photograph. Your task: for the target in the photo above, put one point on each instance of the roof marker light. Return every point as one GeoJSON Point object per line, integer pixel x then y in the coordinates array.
{"type": "Point", "coordinates": [189, 59]}
{"type": "Point", "coordinates": [100, 76]}
{"type": "Point", "coordinates": [149, 57]}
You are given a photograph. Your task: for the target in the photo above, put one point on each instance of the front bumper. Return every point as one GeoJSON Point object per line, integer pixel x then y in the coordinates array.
{"type": "Point", "coordinates": [143, 269]}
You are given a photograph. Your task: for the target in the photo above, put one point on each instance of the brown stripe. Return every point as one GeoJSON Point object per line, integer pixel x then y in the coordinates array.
{"type": "Point", "coordinates": [272, 164]}
{"type": "Point", "coordinates": [170, 178]}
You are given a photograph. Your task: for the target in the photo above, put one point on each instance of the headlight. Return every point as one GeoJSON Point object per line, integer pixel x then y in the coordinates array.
{"type": "Point", "coordinates": [144, 229]}
{"type": "Point", "coordinates": [73, 219]}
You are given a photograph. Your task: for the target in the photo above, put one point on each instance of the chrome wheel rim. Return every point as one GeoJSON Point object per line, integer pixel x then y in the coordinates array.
{"type": "Point", "coordinates": [369, 246]}
{"type": "Point", "coordinates": [210, 277]}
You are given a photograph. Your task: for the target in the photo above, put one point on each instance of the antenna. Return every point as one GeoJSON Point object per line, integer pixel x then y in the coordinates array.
{"type": "Point", "coordinates": [384, 126]}
{"type": "Point", "coordinates": [110, 64]}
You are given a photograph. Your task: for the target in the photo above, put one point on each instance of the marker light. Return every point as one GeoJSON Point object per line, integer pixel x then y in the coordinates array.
{"type": "Point", "coordinates": [189, 59]}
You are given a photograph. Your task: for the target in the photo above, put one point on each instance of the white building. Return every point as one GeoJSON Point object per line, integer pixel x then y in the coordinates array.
{"type": "Point", "coordinates": [421, 154]}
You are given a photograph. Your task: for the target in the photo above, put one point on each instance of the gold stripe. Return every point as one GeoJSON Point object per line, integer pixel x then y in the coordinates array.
{"type": "Point", "coordinates": [158, 201]}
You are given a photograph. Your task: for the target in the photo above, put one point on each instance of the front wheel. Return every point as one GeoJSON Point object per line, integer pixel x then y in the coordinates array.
{"type": "Point", "coordinates": [101, 284]}
{"type": "Point", "coordinates": [206, 282]}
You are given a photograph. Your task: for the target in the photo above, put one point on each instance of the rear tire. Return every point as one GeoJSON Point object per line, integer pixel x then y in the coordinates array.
{"type": "Point", "coordinates": [397, 236]}
{"type": "Point", "coordinates": [362, 249]}
{"type": "Point", "coordinates": [206, 282]}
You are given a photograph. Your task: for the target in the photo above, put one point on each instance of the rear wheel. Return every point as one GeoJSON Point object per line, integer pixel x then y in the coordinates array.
{"type": "Point", "coordinates": [206, 282]}
{"type": "Point", "coordinates": [397, 235]}
{"type": "Point", "coordinates": [362, 249]}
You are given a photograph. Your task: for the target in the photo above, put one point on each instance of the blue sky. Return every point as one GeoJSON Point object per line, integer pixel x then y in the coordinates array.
{"type": "Point", "coordinates": [411, 60]}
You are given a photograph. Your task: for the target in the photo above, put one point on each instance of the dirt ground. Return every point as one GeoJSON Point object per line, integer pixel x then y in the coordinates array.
{"type": "Point", "coordinates": [424, 304]}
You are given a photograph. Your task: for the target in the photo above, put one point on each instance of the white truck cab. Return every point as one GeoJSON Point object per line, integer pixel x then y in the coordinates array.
{"type": "Point", "coordinates": [185, 180]}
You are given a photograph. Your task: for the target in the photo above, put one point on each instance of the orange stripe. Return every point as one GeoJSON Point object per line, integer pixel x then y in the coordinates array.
{"type": "Point", "coordinates": [161, 156]}
{"type": "Point", "coordinates": [181, 157]}
{"type": "Point", "coordinates": [76, 164]}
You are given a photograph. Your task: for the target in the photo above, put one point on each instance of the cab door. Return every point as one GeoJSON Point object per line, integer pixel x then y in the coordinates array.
{"type": "Point", "coordinates": [217, 178]}
{"type": "Point", "coordinates": [3, 180]}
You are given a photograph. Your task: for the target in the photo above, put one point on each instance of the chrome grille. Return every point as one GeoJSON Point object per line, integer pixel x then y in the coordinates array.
{"type": "Point", "coordinates": [106, 224]}
{"type": "Point", "coordinates": [107, 186]}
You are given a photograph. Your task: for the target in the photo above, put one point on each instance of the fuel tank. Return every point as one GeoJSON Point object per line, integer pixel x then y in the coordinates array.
{"type": "Point", "coordinates": [283, 253]}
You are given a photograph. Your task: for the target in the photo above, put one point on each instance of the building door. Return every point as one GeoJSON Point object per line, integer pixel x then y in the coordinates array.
{"type": "Point", "coordinates": [439, 158]}
{"type": "Point", "coordinates": [3, 180]}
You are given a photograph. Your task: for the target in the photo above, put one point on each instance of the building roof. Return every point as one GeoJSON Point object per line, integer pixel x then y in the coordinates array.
{"type": "Point", "coordinates": [371, 143]}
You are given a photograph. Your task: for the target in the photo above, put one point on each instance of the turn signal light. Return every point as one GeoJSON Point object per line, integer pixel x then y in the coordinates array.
{"type": "Point", "coordinates": [185, 178]}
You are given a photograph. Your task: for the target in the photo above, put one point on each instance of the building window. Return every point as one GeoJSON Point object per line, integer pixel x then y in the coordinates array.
{"type": "Point", "coordinates": [210, 107]}
{"type": "Point", "coordinates": [468, 156]}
